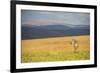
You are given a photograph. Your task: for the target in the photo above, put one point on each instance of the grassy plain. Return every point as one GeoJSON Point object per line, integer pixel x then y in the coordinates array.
{"type": "Point", "coordinates": [55, 49]}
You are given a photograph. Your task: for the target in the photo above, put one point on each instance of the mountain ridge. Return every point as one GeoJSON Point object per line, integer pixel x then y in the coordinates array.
{"type": "Point", "coordinates": [30, 32]}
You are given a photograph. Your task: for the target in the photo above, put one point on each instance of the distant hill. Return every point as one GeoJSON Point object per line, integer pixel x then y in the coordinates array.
{"type": "Point", "coordinates": [31, 31]}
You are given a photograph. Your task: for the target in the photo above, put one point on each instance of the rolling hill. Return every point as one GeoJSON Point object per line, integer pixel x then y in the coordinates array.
{"type": "Point", "coordinates": [57, 30]}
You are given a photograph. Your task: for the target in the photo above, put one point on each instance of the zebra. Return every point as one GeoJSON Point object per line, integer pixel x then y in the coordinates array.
{"type": "Point", "coordinates": [75, 44]}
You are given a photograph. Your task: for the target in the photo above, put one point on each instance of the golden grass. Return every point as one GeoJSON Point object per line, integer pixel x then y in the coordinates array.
{"type": "Point", "coordinates": [55, 49]}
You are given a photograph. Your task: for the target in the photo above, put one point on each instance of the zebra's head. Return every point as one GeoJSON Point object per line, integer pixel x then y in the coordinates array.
{"type": "Point", "coordinates": [73, 41]}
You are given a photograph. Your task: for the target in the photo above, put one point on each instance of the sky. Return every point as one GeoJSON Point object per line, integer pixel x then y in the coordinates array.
{"type": "Point", "coordinates": [39, 18]}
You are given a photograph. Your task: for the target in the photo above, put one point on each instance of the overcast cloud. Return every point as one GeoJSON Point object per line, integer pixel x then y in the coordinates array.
{"type": "Point", "coordinates": [34, 17]}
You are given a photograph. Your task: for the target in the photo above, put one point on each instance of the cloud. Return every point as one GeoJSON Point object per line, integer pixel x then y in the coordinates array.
{"type": "Point", "coordinates": [32, 17]}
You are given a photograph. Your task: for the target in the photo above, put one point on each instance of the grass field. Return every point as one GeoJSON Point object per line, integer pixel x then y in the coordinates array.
{"type": "Point", "coordinates": [55, 49]}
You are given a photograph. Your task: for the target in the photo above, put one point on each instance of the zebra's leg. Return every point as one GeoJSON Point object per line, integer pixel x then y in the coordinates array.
{"type": "Point", "coordinates": [75, 49]}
